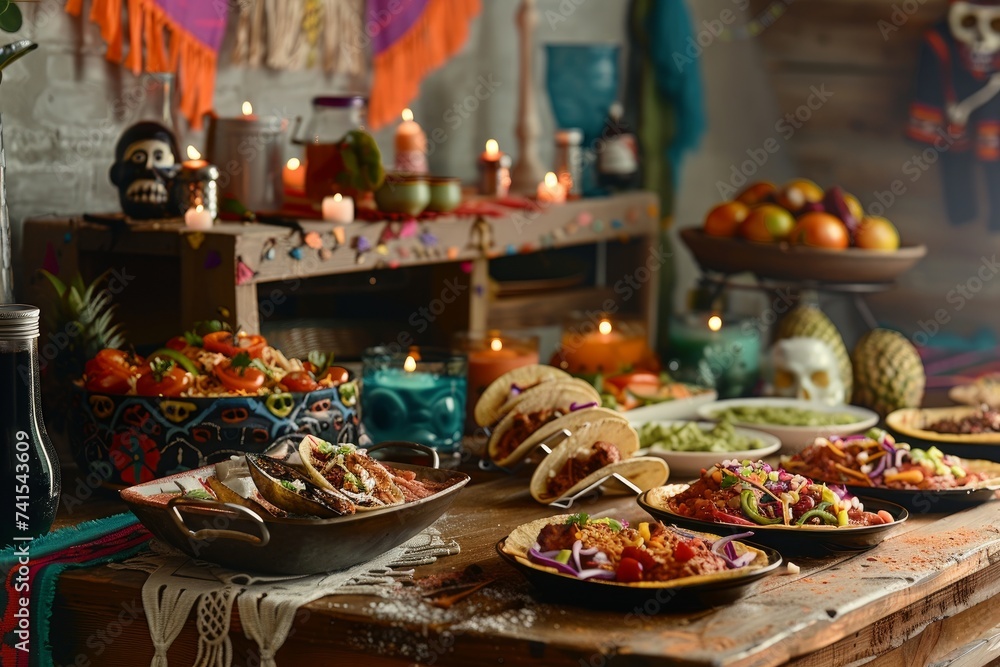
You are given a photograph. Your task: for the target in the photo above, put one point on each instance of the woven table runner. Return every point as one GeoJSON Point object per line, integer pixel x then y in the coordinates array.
{"type": "Point", "coordinates": [179, 584]}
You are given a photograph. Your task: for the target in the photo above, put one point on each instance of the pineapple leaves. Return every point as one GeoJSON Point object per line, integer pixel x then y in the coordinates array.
{"type": "Point", "coordinates": [57, 284]}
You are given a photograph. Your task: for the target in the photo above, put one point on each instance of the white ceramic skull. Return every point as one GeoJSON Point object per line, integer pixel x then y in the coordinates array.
{"type": "Point", "coordinates": [977, 26]}
{"type": "Point", "coordinates": [807, 368]}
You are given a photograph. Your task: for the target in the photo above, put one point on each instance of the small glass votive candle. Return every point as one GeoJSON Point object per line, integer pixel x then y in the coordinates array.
{"type": "Point", "coordinates": [490, 355]}
{"type": "Point", "coordinates": [416, 395]}
{"type": "Point", "coordinates": [597, 343]}
{"type": "Point", "coordinates": [197, 184]}
{"type": "Point", "coordinates": [707, 349]}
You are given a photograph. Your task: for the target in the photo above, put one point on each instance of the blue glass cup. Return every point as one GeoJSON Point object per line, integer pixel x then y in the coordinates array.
{"type": "Point", "coordinates": [582, 81]}
{"type": "Point", "coordinates": [416, 395]}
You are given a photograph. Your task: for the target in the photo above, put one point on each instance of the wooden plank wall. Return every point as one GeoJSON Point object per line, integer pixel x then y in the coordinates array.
{"type": "Point", "coordinates": [856, 139]}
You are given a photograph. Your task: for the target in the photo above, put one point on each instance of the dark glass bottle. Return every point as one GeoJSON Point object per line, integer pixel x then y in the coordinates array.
{"type": "Point", "coordinates": [618, 157]}
{"type": "Point", "coordinates": [29, 469]}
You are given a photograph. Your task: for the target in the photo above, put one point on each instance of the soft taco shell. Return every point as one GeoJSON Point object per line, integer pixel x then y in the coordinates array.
{"type": "Point", "coordinates": [523, 538]}
{"type": "Point", "coordinates": [562, 399]}
{"type": "Point", "coordinates": [645, 472]}
{"type": "Point", "coordinates": [488, 408]}
{"type": "Point", "coordinates": [354, 460]}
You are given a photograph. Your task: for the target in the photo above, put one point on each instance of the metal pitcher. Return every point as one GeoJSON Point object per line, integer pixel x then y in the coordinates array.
{"type": "Point", "coordinates": [8, 54]}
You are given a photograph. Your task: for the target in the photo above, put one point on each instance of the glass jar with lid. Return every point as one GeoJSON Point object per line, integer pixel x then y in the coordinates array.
{"type": "Point", "coordinates": [332, 117]}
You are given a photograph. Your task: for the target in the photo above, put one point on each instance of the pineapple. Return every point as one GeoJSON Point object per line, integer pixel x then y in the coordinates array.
{"type": "Point", "coordinates": [811, 322]}
{"type": "Point", "coordinates": [80, 323]}
{"type": "Point", "coordinates": [888, 372]}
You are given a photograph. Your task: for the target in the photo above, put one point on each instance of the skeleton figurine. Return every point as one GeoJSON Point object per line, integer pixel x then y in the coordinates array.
{"type": "Point", "coordinates": [806, 368]}
{"type": "Point", "coordinates": [956, 108]}
{"type": "Point", "coordinates": [146, 161]}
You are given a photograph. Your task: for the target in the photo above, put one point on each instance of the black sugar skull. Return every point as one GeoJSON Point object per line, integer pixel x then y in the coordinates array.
{"type": "Point", "coordinates": [146, 161]}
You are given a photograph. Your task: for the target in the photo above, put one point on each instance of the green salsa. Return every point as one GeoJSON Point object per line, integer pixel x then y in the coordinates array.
{"type": "Point", "coordinates": [689, 437]}
{"type": "Point", "coordinates": [784, 416]}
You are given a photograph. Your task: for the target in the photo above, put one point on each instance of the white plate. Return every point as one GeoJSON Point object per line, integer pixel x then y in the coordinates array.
{"type": "Point", "coordinates": [795, 438]}
{"type": "Point", "coordinates": [689, 465]}
{"type": "Point", "coordinates": [681, 408]}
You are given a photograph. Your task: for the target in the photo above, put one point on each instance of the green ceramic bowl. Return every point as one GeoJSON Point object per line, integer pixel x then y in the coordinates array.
{"type": "Point", "coordinates": [446, 194]}
{"type": "Point", "coordinates": [403, 193]}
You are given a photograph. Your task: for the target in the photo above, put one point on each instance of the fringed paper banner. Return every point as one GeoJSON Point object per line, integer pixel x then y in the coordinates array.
{"type": "Point", "coordinates": [411, 42]}
{"type": "Point", "coordinates": [165, 36]}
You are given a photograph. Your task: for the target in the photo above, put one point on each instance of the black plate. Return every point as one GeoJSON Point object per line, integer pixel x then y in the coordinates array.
{"type": "Point", "coordinates": [651, 600]}
{"type": "Point", "coordinates": [970, 450]}
{"type": "Point", "coordinates": [926, 502]}
{"type": "Point", "coordinates": [795, 540]}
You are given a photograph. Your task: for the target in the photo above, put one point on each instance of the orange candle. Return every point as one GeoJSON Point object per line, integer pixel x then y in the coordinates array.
{"type": "Point", "coordinates": [550, 190]}
{"type": "Point", "coordinates": [293, 177]}
{"type": "Point", "coordinates": [411, 146]}
{"type": "Point", "coordinates": [491, 356]}
{"type": "Point", "coordinates": [248, 113]}
{"type": "Point", "coordinates": [194, 160]}
{"type": "Point", "coordinates": [606, 350]}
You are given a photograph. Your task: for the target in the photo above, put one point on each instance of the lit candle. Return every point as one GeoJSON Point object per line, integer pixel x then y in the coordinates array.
{"type": "Point", "coordinates": [550, 190]}
{"type": "Point", "coordinates": [198, 218]}
{"type": "Point", "coordinates": [248, 113]}
{"type": "Point", "coordinates": [494, 171]}
{"type": "Point", "coordinates": [194, 160]}
{"type": "Point", "coordinates": [728, 353]}
{"type": "Point", "coordinates": [609, 349]}
{"type": "Point", "coordinates": [493, 355]}
{"type": "Point", "coordinates": [419, 397]}
{"type": "Point", "coordinates": [338, 208]}
{"type": "Point", "coordinates": [411, 146]}
{"type": "Point", "coordinates": [293, 177]}
{"type": "Point", "coordinates": [492, 152]}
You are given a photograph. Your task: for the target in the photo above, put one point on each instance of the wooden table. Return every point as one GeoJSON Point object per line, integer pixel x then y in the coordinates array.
{"type": "Point", "coordinates": [923, 594]}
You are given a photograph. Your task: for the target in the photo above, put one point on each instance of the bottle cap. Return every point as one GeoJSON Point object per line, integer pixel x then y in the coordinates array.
{"type": "Point", "coordinates": [18, 321]}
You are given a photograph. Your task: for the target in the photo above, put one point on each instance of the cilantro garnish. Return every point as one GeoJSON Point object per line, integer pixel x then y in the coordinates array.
{"type": "Point", "coordinates": [580, 519]}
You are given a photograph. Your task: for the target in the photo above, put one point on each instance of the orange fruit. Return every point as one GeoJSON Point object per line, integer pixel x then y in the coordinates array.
{"type": "Point", "coordinates": [757, 193]}
{"type": "Point", "coordinates": [820, 230]}
{"type": "Point", "coordinates": [855, 206]}
{"type": "Point", "coordinates": [798, 193]}
{"type": "Point", "coordinates": [725, 219]}
{"type": "Point", "coordinates": [767, 223]}
{"type": "Point", "coordinates": [877, 233]}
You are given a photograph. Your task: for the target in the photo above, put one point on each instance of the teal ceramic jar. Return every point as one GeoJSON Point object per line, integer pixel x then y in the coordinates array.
{"type": "Point", "coordinates": [446, 193]}
{"type": "Point", "coordinates": [403, 193]}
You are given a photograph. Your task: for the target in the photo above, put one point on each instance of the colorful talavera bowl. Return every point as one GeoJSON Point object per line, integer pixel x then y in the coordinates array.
{"type": "Point", "coordinates": [127, 440]}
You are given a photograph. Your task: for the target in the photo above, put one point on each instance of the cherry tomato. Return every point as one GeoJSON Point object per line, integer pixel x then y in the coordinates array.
{"type": "Point", "coordinates": [107, 383]}
{"type": "Point", "coordinates": [116, 362]}
{"type": "Point", "coordinates": [310, 367]}
{"type": "Point", "coordinates": [641, 555]}
{"type": "Point", "coordinates": [239, 379]}
{"type": "Point", "coordinates": [299, 381]}
{"type": "Point", "coordinates": [171, 382]}
{"type": "Point", "coordinates": [629, 570]}
{"type": "Point", "coordinates": [230, 345]}
{"type": "Point", "coordinates": [177, 343]}
{"type": "Point", "coordinates": [683, 552]}
{"type": "Point", "coordinates": [336, 374]}
{"type": "Point", "coordinates": [634, 379]}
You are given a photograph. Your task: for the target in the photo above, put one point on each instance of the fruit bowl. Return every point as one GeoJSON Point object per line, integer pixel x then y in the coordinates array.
{"type": "Point", "coordinates": [128, 440]}
{"type": "Point", "coordinates": [781, 261]}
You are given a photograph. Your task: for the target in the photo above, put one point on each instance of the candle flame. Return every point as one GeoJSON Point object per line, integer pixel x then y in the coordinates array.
{"type": "Point", "coordinates": [247, 108]}
{"type": "Point", "coordinates": [604, 327]}
{"type": "Point", "coordinates": [199, 208]}
{"type": "Point", "coordinates": [193, 153]}
{"type": "Point", "coordinates": [551, 180]}
{"type": "Point", "coordinates": [409, 365]}
{"type": "Point", "coordinates": [496, 344]}
{"type": "Point", "coordinates": [407, 115]}
{"type": "Point", "coordinates": [338, 197]}
{"type": "Point", "coordinates": [294, 163]}
{"type": "Point", "coordinates": [492, 147]}
{"type": "Point", "coordinates": [715, 323]}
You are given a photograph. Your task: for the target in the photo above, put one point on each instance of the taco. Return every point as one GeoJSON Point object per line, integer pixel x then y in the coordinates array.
{"type": "Point", "coordinates": [252, 500]}
{"type": "Point", "coordinates": [344, 468]}
{"type": "Point", "coordinates": [596, 449]}
{"type": "Point", "coordinates": [535, 419]}
{"type": "Point", "coordinates": [490, 407]}
{"type": "Point", "coordinates": [648, 555]}
{"type": "Point", "coordinates": [284, 486]}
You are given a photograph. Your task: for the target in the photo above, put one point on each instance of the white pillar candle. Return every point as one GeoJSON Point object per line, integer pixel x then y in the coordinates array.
{"type": "Point", "coordinates": [338, 208]}
{"type": "Point", "coordinates": [198, 218]}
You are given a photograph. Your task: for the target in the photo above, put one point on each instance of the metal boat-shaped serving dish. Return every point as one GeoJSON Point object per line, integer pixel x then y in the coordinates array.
{"type": "Point", "coordinates": [236, 537]}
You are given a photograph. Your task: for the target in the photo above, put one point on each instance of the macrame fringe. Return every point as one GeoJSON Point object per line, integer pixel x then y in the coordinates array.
{"type": "Point", "coordinates": [438, 34]}
{"type": "Point", "coordinates": [168, 48]}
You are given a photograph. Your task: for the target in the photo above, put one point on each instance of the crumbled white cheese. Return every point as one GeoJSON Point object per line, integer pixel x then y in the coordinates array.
{"type": "Point", "coordinates": [792, 568]}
